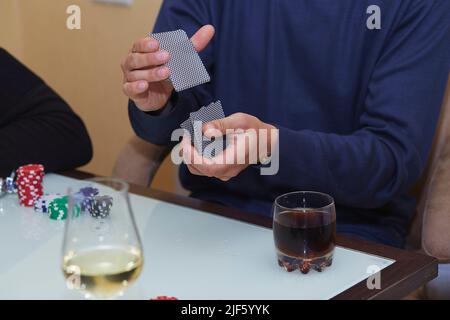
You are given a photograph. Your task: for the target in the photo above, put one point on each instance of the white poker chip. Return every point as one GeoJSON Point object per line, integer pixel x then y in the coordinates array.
{"type": "Point", "coordinates": [43, 203]}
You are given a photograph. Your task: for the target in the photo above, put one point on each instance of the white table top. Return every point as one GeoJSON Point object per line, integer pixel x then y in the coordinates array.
{"type": "Point", "coordinates": [188, 254]}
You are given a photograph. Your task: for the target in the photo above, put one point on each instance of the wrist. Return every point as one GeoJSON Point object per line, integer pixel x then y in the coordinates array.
{"type": "Point", "coordinates": [167, 108]}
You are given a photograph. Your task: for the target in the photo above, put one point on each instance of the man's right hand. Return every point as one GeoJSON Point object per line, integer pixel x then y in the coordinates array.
{"type": "Point", "coordinates": [145, 74]}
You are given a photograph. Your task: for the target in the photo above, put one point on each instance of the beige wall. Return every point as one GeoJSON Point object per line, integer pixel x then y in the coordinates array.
{"type": "Point", "coordinates": [83, 65]}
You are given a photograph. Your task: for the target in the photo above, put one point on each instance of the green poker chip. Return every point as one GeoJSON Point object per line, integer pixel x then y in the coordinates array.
{"type": "Point", "coordinates": [58, 209]}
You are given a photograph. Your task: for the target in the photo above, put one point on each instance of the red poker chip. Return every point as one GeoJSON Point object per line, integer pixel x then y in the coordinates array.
{"type": "Point", "coordinates": [164, 298]}
{"type": "Point", "coordinates": [29, 183]}
{"type": "Point", "coordinates": [29, 176]}
{"type": "Point", "coordinates": [31, 168]}
{"type": "Point", "coordinates": [29, 173]}
{"type": "Point", "coordinates": [30, 191]}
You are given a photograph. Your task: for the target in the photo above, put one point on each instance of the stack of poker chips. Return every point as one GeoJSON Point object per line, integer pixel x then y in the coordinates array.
{"type": "Point", "coordinates": [8, 185]}
{"type": "Point", "coordinates": [164, 298]}
{"type": "Point", "coordinates": [29, 184]}
{"type": "Point", "coordinates": [89, 200]}
{"type": "Point", "coordinates": [55, 206]}
{"type": "Point", "coordinates": [101, 206]}
{"type": "Point", "coordinates": [85, 197]}
{"type": "Point", "coordinates": [2, 187]}
{"type": "Point", "coordinates": [43, 203]}
{"type": "Point", "coordinates": [57, 210]}
{"type": "Point", "coordinates": [86, 200]}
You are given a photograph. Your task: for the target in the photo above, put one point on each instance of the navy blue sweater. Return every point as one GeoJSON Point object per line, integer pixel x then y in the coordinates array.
{"type": "Point", "coordinates": [356, 108]}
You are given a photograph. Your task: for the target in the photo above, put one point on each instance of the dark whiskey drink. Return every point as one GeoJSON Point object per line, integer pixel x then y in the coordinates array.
{"type": "Point", "coordinates": [306, 235]}
{"type": "Point", "coordinates": [304, 239]}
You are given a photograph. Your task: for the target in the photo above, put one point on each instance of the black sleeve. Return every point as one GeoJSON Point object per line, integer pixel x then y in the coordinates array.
{"type": "Point", "coordinates": [36, 125]}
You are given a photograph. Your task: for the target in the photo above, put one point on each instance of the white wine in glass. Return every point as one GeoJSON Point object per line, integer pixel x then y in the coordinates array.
{"type": "Point", "coordinates": [102, 251]}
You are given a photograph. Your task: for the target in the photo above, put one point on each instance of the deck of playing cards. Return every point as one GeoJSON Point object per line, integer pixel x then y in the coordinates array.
{"type": "Point", "coordinates": [186, 67]}
{"type": "Point", "coordinates": [194, 126]}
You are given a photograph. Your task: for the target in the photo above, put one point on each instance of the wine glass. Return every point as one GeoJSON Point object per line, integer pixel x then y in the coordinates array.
{"type": "Point", "coordinates": [102, 251]}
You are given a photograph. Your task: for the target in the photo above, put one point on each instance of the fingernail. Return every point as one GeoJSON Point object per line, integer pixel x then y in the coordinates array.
{"type": "Point", "coordinates": [152, 45]}
{"type": "Point", "coordinates": [142, 86]}
{"type": "Point", "coordinates": [207, 128]}
{"type": "Point", "coordinates": [162, 72]}
{"type": "Point", "coordinates": [162, 56]}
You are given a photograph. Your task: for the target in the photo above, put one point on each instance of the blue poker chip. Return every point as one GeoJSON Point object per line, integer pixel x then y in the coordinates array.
{"type": "Point", "coordinates": [84, 197]}
{"type": "Point", "coordinates": [10, 185]}
{"type": "Point", "coordinates": [43, 203]}
{"type": "Point", "coordinates": [88, 192]}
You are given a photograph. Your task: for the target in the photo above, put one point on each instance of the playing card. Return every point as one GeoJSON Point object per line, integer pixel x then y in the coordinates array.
{"type": "Point", "coordinates": [186, 67]}
{"type": "Point", "coordinates": [187, 125]}
{"type": "Point", "coordinates": [211, 112]}
{"type": "Point", "coordinates": [214, 111]}
{"type": "Point", "coordinates": [194, 125]}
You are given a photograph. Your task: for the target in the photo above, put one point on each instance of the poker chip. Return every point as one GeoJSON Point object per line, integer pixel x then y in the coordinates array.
{"type": "Point", "coordinates": [164, 298]}
{"type": "Point", "coordinates": [43, 203]}
{"type": "Point", "coordinates": [84, 197]}
{"type": "Point", "coordinates": [29, 184]}
{"type": "Point", "coordinates": [89, 192]}
{"type": "Point", "coordinates": [2, 187]}
{"type": "Point", "coordinates": [76, 210]}
{"type": "Point", "coordinates": [10, 185]}
{"type": "Point", "coordinates": [100, 206]}
{"type": "Point", "coordinates": [58, 208]}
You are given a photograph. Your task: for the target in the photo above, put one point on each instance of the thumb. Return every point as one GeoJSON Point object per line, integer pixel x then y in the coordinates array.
{"type": "Point", "coordinates": [214, 129]}
{"type": "Point", "coordinates": [202, 37]}
{"type": "Point", "coordinates": [237, 121]}
{"type": "Point", "coordinates": [211, 129]}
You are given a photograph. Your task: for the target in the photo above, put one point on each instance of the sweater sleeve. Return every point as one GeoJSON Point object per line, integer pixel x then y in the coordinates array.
{"type": "Point", "coordinates": [157, 127]}
{"type": "Point", "coordinates": [36, 125]}
{"type": "Point", "coordinates": [389, 150]}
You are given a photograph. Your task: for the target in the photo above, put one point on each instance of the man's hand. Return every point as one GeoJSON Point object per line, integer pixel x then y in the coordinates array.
{"type": "Point", "coordinates": [144, 73]}
{"type": "Point", "coordinates": [249, 131]}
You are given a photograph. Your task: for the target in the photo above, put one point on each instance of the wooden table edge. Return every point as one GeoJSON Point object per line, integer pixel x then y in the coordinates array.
{"type": "Point", "coordinates": [416, 268]}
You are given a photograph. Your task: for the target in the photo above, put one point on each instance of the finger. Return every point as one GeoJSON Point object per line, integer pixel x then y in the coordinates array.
{"type": "Point", "coordinates": [144, 45]}
{"type": "Point", "coordinates": [210, 169]}
{"type": "Point", "coordinates": [211, 131]}
{"type": "Point", "coordinates": [188, 156]}
{"type": "Point", "coordinates": [232, 173]}
{"type": "Point", "coordinates": [192, 169]}
{"type": "Point", "coordinates": [202, 37]}
{"type": "Point", "coordinates": [228, 156]}
{"type": "Point", "coordinates": [135, 90]}
{"type": "Point", "coordinates": [148, 75]}
{"type": "Point", "coordinates": [235, 121]}
{"type": "Point", "coordinates": [201, 165]}
{"type": "Point", "coordinates": [186, 142]}
{"type": "Point", "coordinates": [146, 60]}
{"type": "Point", "coordinates": [192, 158]}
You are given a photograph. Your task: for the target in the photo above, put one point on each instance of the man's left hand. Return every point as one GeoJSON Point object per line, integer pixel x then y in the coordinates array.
{"type": "Point", "coordinates": [244, 133]}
